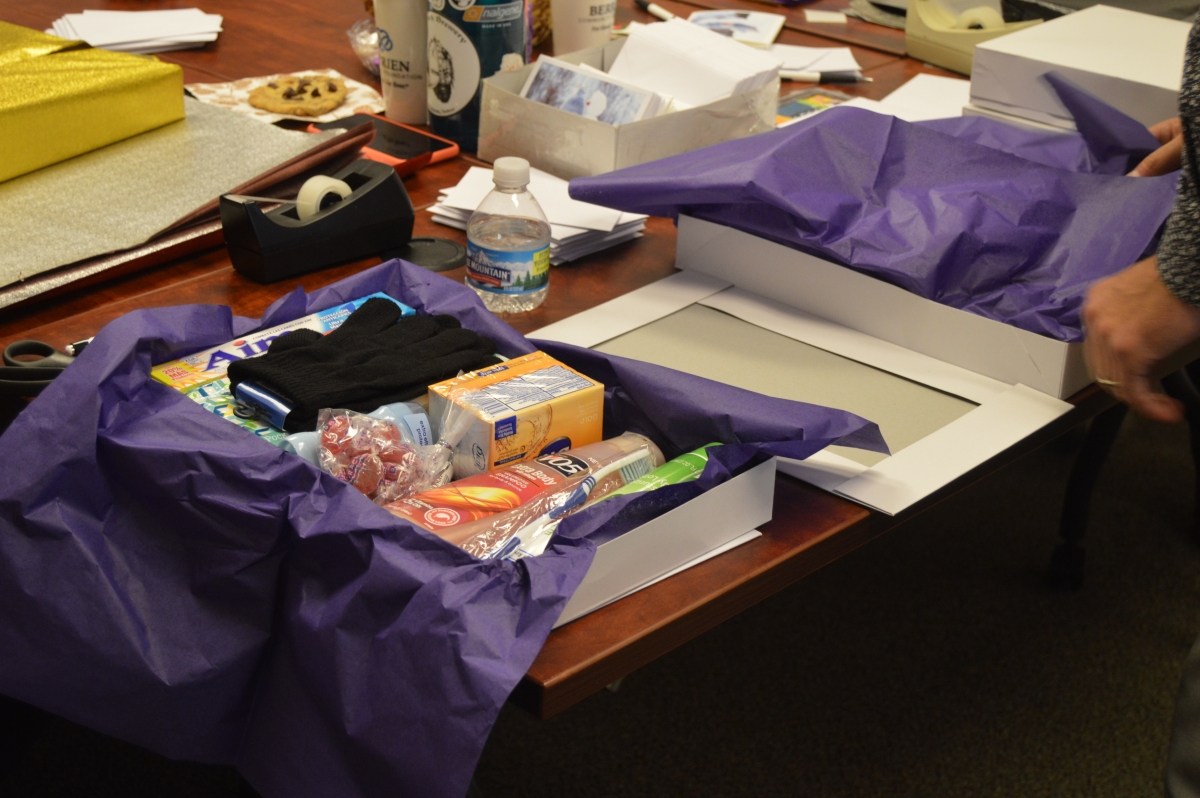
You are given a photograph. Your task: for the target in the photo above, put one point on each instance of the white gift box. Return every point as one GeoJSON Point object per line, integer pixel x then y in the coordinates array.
{"type": "Point", "coordinates": [710, 524]}
{"type": "Point", "coordinates": [1132, 61]}
{"type": "Point", "coordinates": [949, 389]}
{"type": "Point", "coordinates": [568, 145]}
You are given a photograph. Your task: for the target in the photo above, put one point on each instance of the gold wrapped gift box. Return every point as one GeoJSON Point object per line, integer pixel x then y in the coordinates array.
{"type": "Point", "coordinates": [61, 98]}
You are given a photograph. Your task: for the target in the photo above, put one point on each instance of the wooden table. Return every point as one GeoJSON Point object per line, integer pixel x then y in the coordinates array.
{"type": "Point", "coordinates": [810, 529]}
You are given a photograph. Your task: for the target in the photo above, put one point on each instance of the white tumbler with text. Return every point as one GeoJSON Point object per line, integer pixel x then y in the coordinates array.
{"type": "Point", "coordinates": [402, 58]}
{"type": "Point", "coordinates": [580, 24]}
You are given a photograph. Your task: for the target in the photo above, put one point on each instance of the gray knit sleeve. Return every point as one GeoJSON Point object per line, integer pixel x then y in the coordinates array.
{"type": "Point", "coordinates": [1179, 250]}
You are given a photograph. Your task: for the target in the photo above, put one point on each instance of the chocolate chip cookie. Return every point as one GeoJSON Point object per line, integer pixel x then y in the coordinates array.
{"type": "Point", "coordinates": [299, 95]}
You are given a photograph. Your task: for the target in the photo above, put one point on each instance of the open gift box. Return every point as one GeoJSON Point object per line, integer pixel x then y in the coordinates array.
{"type": "Point", "coordinates": [172, 579]}
{"type": "Point", "coordinates": [569, 145]}
{"type": "Point", "coordinates": [928, 276]}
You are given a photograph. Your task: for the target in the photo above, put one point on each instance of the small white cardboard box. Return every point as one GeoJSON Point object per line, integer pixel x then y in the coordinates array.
{"type": "Point", "coordinates": [870, 327]}
{"type": "Point", "coordinates": [1132, 61]}
{"type": "Point", "coordinates": [568, 145]}
{"type": "Point", "coordinates": [684, 536]}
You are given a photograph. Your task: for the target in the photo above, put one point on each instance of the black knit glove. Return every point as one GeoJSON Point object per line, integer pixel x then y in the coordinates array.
{"type": "Point", "coordinates": [374, 358]}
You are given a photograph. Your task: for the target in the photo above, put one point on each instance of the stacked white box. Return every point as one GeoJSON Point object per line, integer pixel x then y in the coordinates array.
{"type": "Point", "coordinates": [1132, 61]}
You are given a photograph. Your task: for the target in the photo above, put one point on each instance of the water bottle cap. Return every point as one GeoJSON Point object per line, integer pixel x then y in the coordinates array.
{"type": "Point", "coordinates": [510, 172]}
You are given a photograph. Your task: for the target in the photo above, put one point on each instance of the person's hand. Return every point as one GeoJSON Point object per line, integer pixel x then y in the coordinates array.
{"type": "Point", "coordinates": [1133, 321]}
{"type": "Point", "coordinates": [1165, 159]}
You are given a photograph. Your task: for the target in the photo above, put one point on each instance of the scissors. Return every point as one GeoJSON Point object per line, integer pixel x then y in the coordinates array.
{"type": "Point", "coordinates": [28, 377]}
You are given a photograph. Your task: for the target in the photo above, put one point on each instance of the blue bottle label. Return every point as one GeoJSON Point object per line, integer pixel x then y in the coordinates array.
{"type": "Point", "coordinates": [469, 40]}
{"type": "Point", "coordinates": [505, 272]}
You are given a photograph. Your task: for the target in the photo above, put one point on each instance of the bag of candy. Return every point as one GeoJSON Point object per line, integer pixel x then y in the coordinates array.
{"type": "Point", "coordinates": [381, 458]}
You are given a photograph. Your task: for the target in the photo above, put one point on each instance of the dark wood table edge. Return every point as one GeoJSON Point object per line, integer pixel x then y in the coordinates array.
{"type": "Point", "coordinates": [547, 699]}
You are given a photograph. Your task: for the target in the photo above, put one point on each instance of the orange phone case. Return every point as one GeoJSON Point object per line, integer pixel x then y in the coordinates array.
{"type": "Point", "coordinates": [406, 166]}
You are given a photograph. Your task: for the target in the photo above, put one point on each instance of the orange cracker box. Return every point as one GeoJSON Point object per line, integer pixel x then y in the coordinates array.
{"type": "Point", "coordinates": [518, 410]}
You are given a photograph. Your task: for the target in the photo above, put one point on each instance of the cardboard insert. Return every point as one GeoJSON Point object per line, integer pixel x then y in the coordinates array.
{"type": "Point", "coordinates": [711, 343]}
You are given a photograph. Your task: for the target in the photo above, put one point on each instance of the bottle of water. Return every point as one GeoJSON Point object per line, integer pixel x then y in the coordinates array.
{"type": "Point", "coordinates": [508, 243]}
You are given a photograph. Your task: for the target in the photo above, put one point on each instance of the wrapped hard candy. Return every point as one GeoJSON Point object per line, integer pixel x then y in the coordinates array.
{"type": "Point", "coordinates": [372, 454]}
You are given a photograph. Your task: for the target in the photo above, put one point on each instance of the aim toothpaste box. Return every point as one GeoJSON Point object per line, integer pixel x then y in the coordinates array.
{"type": "Point", "coordinates": [188, 372]}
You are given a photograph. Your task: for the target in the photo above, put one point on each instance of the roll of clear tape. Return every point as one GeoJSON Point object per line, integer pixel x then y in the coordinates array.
{"type": "Point", "coordinates": [980, 17]}
{"type": "Point", "coordinates": [315, 191]}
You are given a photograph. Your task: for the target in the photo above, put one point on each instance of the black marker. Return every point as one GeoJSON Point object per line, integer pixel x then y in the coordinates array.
{"type": "Point", "coordinates": [822, 77]}
{"type": "Point", "coordinates": [654, 9]}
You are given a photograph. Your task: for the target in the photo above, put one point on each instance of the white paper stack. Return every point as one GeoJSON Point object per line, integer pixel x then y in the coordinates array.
{"type": "Point", "coordinates": [140, 31]}
{"type": "Point", "coordinates": [692, 64]}
{"type": "Point", "coordinates": [816, 59]}
{"type": "Point", "coordinates": [576, 228]}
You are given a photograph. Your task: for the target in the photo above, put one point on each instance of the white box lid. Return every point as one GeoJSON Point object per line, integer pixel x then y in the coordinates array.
{"type": "Point", "coordinates": [1132, 60]}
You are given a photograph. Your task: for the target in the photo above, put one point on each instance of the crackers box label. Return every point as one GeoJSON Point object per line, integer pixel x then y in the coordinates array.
{"type": "Point", "coordinates": [519, 410]}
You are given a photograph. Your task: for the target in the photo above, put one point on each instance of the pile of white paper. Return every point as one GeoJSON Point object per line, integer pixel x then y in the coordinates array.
{"type": "Point", "coordinates": [691, 64]}
{"type": "Point", "coordinates": [923, 97]}
{"type": "Point", "coordinates": [576, 228]}
{"type": "Point", "coordinates": [140, 31]}
{"type": "Point", "coordinates": [816, 59]}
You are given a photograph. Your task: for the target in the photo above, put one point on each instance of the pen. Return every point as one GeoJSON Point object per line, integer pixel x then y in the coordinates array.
{"type": "Point", "coordinates": [823, 77]}
{"type": "Point", "coordinates": [654, 9]}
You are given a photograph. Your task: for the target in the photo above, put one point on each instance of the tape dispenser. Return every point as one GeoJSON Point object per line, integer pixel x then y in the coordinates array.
{"type": "Point", "coordinates": [938, 36]}
{"type": "Point", "coordinates": [362, 210]}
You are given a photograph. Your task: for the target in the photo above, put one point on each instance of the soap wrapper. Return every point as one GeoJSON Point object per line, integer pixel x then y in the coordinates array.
{"type": "Point", "coordinates": [60, 98]}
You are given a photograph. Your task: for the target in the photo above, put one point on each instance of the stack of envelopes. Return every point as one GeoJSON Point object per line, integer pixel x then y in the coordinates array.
{"type": "Point", "coordinates": [576, 228]}
{"type": "Point", "coordinates": [155, 31]}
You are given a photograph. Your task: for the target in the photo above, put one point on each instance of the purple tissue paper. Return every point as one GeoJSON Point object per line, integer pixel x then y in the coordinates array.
{"type": "Point", "coordinates": [1009, 224]}
{"type": "Point", "coordinates": [169, 579]}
